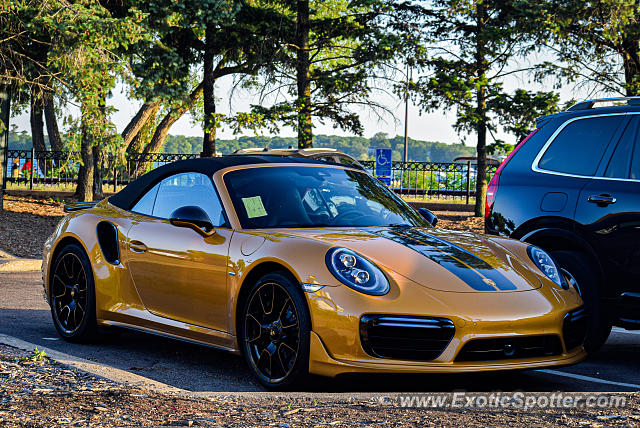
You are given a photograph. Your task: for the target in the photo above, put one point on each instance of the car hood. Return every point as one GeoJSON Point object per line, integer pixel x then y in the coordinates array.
{"type": "Point", "coordinates": [439, 259]}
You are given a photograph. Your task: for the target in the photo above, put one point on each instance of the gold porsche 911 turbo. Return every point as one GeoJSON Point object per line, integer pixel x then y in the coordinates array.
{"type": "Point", "coordinates": [306, 267]}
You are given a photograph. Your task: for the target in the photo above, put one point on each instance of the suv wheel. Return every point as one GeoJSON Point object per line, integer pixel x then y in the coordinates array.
{"type": "Point", "coordinates": [599, 324]}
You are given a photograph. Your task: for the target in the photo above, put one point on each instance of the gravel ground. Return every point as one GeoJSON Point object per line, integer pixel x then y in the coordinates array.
{"type": "Point", "coordinates": [25, 223]}
{"type": "Point", "coordinates": [460, 221]}
{"type": "Point", "coordinates": [45, 393]}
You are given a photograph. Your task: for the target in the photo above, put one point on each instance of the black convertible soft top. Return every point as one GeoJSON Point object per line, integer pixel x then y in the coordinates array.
{"type": "Point", "coordinates": [127, 197]}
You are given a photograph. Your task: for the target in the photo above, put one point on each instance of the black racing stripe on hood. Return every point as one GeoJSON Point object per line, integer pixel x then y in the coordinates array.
{"type": "Point", "coordinates": [465, 265]}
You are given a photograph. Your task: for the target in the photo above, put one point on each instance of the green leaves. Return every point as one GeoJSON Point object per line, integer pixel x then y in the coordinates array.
{"type": "Point", "coordinates": [596, 44]}
{"type": "Point", "coordinates": [476, 45]}
{"type": "Point", "coordinates": [353, 44]}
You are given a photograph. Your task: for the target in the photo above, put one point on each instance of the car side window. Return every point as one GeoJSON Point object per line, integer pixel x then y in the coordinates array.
{"type": "Point", "coordinates": [189, 188]}
{"type": "Point", "coordinates": [145, 203]}
{"type": "Point", "coordinates": [618, 166]}
{"type": "Point", "coordinates": [348, 162]}
{"type": "Point", "coordinates": [634, 172]}
{"type": "Point", "coordinates": [579, 147]}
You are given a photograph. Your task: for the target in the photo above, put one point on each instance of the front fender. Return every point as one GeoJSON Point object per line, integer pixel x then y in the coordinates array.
{"type": "Point", "coordinates": [303, 258]}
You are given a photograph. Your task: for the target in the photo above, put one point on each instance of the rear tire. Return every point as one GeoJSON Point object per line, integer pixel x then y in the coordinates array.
{"type": "Point", "coordinates": [599, 323]}
{"type": "Point", "coordinates": [72, 295]}
{"type": "Point", "coordinates": [274, 329]}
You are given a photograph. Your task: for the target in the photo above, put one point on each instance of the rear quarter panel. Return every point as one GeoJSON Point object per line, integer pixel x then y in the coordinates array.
{"type": "Point", "coordinates": [114, 289]}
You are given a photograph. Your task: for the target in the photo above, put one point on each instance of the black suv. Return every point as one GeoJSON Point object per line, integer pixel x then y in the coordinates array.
{"type": "Point", "coordinates": [572, 188]}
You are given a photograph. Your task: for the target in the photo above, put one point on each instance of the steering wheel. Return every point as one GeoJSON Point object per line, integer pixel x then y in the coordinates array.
{"type": "Point", "coordinates": [350, 215]}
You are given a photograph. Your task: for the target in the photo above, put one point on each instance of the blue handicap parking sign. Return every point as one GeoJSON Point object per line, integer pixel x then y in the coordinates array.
{"type": "Point", "coordinates": [383, 165]}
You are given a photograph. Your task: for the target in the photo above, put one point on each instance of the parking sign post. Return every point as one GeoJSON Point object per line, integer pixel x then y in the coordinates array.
{"type": "Point", "coordinates": [383, 166]}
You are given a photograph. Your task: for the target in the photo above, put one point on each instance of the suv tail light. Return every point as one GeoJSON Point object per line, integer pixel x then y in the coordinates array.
{"type": "Point", "coordinates": [492, 188]}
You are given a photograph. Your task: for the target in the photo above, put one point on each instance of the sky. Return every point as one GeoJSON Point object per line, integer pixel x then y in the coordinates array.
{"type": "Point", "coordinates": [429, 127]}
{"type": "Point", "coordinates": [434, 127]}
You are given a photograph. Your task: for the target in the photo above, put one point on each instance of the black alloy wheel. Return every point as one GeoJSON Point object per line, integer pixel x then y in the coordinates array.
{"type": "Point", "coordinates": [72, 295]}
{"type": "Point", "coordinates": [275, 332]}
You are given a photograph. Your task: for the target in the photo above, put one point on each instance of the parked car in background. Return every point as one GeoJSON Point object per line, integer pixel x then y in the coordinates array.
{"type": "Point", "coordinates": [322, 154]}
{"type": "Point", "coordinates": [572, 187]}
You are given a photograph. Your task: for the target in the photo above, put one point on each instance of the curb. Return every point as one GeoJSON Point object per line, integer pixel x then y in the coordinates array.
{"type": "Point", "coordinates": [11, 263]}
{"type": "Point", "coordinates": [20, 265]}
{"type": "Point", "coordinates": [5, 255]}
{"type": "Point", "coordinates": [133, 380]}
{"type": "Point", "coordinates": [94, 368]}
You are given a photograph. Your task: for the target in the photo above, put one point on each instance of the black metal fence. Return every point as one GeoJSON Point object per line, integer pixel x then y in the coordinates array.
{"type": "Point", "coordinates": [35, 169]}
{"type": "Point", "coordinates": [42, 170]}
{"type": "Point", "coordinates": [451, 180]}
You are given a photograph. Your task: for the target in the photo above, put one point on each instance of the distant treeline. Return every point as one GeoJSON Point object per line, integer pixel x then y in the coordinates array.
{"type": "Point", "coordinates": [359, 147]}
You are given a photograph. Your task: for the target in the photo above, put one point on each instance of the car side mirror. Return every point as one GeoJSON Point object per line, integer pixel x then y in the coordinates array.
{"type": "Point", "coordinates": [194, 218]}
{"type": "Point", "coordinates": [429, 216]}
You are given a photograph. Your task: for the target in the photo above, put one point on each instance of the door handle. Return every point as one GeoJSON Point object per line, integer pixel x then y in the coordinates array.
{"type": "Point", "coordinates": [602, 200]}
{"type": "Point", "coordinates": [137, 247]}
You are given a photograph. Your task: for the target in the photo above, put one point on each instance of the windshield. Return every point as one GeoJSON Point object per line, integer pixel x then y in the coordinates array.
{"type": "Point", "coordinates": [301, 196]}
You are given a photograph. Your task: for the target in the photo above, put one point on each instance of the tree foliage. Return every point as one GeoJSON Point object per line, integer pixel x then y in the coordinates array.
{"type": "Point", "coordinates": [475, 44]}
{"type": "Point", "coordinates": [333, 54]}
{"type": "Point", "coordinates": [358, 147]}
{"type": "Point", "coordinates": [308, 61]}
{"type": "Point", "coordinates": [595, 44]}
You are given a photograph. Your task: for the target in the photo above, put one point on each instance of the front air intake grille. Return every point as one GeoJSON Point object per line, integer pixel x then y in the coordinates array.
{"type": "Point", "coordinates": [510, 348]}
{"type": "Point", "coordinates": [574, 329]}
{"type": "Point", "coordinates": [405, 337]}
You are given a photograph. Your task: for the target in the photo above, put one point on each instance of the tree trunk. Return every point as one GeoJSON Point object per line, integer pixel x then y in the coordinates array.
{"type": "Point", "coordinates": [5, 106]}
{"type": "Point", "coordinates": [147, 112]}
{"type": "Point", "coordinates": [37, 128]}
{"type": "Point", "coordinates": [165, 124]}
{"type": "Point", "coordinates": [55, 141]}
{"type": "Point", "coordinates": [481, 173]}
{"type": "Point", "coordinates": [97, 153]}
{"type": "Point", "coordinates": [37, 123]}
{"type": "Point", "coordinates": [98, 193]}
{"type": "Point", "coordinates": [84, 191]}
{"type": "Point", "coordinates": [136, 145]}
{"type": "Point", "coordinates": [209, 140]}
{"type": "Point", "coordinates": [305, 132]}
{"type": "Point", "coordinates": [481, 110]}
{"type": "Point", "coordinates": [631, 62]}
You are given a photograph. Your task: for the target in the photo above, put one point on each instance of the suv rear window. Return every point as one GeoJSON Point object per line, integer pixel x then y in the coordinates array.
{"type": "Point", "coordinates": [579, 147]}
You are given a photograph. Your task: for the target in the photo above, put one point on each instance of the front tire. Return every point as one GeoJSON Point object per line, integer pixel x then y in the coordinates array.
{"type": "Point", "coordinates": [274, 332]}
{"type": "Point", "coordinates": [599, 323]}
{"type": "Point", "coordinates": [72, 292]}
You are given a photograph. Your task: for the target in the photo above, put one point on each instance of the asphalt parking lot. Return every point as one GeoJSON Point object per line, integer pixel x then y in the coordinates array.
{"type": "Point", "coordinates": [25, 315]}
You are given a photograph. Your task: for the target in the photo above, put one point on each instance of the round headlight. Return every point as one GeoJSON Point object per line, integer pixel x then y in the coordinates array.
{"type": "Point", "coordinates": [548, 267]}
{"type": "Point", "coordinates": [356, 272]}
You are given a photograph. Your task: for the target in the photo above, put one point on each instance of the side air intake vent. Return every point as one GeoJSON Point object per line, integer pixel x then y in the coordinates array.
{"type": "Point", "coordinates": [574, 328]}
{"type": "Point", "coordinates": [108, 240]}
